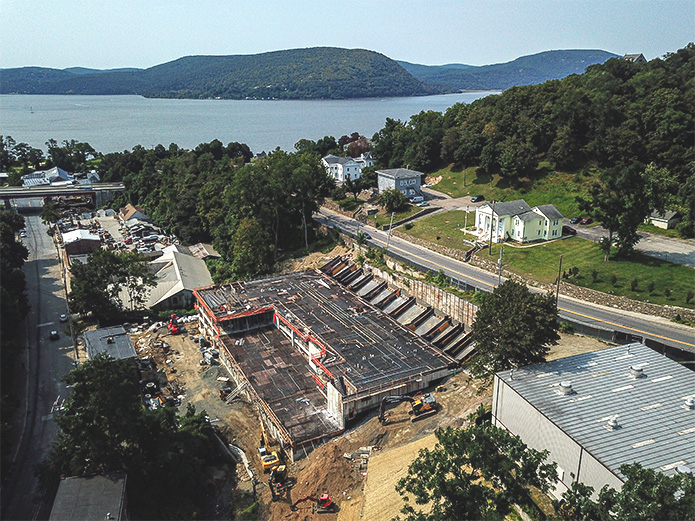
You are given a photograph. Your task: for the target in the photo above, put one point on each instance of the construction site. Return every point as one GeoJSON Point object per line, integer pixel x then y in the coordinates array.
{"type": "Point", "coordinates": [314, 350]}
{"type": "Point", "coordinates": [260, 383]}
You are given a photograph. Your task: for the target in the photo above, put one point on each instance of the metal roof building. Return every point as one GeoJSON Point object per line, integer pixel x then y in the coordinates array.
{"type": "Point", "coordinates": [91, 497]}
{"type": "Point", "coordinates": [597, 411]}
{"type": "Point", "coordinates": [114, 341]}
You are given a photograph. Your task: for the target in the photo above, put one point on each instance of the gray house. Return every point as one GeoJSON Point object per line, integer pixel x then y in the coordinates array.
{"type": "Point", "coordinates": [407, 181]}
{"type": "Point", "coordinates": [114, 341]}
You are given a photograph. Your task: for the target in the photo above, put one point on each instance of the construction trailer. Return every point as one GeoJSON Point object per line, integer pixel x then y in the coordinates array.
{"type": "Point", "coordinates": [313, 354]}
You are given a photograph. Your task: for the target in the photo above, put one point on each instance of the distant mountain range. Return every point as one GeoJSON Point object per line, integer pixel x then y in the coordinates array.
{"type": "Point", "coordinates": [313, 73]}
{"type": "Point", "coordinates": [527, 70]}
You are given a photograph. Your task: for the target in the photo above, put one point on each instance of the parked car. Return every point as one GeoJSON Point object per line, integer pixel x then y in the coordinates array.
{"type": "Point", "coordinates": [568, 230]}
{"type": "Point", "coordinates": [586, 220]}
{"type": "Point", "coordinates": [54, 335]}
{"type": "Point", "coordinates": [63, 318]}
{"type": "Point", "coordinates": [477, 198]}
{"type": "Point", "coordinates": [575, 220]}
{"type": "Point", "coordinates": [423, 203]}
{"type": "Point", "coordinates": [22, 234]}
{"type": "Point", "coordinates": [366, 235]}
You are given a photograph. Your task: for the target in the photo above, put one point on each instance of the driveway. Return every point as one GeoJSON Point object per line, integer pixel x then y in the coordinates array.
{"type": "Point", "coordinates": [451, 203]}
{"type": "Point", "coordinates": [678, 251]}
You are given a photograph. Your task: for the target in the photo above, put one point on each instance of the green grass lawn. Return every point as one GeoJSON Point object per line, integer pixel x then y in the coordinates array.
{"type": "Point", "coordinates": [349, 204]}
{"type": "Point", "coordinates": [650, 228]}
{"type": "Point", "coordinates": [443, 228]}
{"type": "Point", "coordinates": [541, 262]}
{"type": "Point", "coordinates": [383, 218]}
{"type": "Point", "coordinates": [545, 186]}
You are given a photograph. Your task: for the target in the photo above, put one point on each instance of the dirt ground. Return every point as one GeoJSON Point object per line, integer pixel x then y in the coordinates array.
{"type": "Point", "coordinates": [312, 261]}
{"type": "Point", "coordinates": [361, 492]}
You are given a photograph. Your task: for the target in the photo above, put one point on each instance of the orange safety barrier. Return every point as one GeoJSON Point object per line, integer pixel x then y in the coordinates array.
{"type": "Point", "coordinates": [308, 338]}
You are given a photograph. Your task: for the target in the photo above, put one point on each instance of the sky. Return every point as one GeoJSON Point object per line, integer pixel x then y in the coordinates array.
{"type": "Point", "coordinates": [142, 33]}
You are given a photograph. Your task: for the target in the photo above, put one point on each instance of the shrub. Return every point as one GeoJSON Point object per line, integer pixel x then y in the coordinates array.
{"type": "Point", "coordinates": [614, 280]}
{"type": "Point", "coordinates": [633, 284]}
{"type": "Point", "coordinates": [408, 226]}
{"type": "Point", "coordinates": [667, 292]}
{"type": "Point", "coordinates": [594, 276]}
{"type": "Point", "coordinates": [566, 327]}
{"type": "Point", "coordinates": [689, 296]}
{"type": "Point", "coordinates": [650, 287]}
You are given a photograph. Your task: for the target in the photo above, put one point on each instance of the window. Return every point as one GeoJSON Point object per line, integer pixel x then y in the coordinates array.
{"type": "Point", "coordinates": [554, 233]}
{"type": "Point", "coordinates": [545, 233]}
{"type": "Point", "coordinates": [555, 222]}
{"type": "Point", "coordinates": [539, 232]}
{"type": "Point", "coordinates": [516, 222]}
{"type": "Point", "coordinates": [540, 223]}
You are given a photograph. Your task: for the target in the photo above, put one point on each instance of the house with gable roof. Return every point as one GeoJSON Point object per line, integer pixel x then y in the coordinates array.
{"type": "Point", "coordinates": [517, 221]}
{"type": "Point", "coordinates": [342, 168]}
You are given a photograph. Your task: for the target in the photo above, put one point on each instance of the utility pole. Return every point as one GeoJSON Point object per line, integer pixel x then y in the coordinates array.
{"type": "Point", "coordinates": [492, 219]}
{"type": "Point", "coordinates": [466, 221]}
{"type": "Point", "coordinates": [499, 263]}
{"type": "Point", "coordinates": [557, 289]}
{"type": "Point", "coordinates": [388, 238]}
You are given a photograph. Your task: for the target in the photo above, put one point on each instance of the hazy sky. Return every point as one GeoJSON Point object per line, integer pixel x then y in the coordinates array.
{"type": "Point", "coordinates": [142, 33]}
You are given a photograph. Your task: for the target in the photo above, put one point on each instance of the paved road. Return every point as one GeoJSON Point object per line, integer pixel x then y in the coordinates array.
{"type": "Point", "coordinates": [46, 362]}
{"type": "Point", "coordinates": [601, 316]}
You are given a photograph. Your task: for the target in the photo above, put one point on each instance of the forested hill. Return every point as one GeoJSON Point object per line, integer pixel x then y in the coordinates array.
{"type": "Point", "coordinates": [314, 73]}
{"type": "Point", "coordinates": [527, 70]}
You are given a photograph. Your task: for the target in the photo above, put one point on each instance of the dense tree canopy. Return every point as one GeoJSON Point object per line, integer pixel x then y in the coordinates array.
{"type": "Point", "coordinates": [647, 495]}
{"type": "Point", "coordinates": [473, 473]}
{"type": "Point", "coordinates": [513, 327]}
{"type": "Point", "coordinates": [105, 428]}
{"type": "Point", "coordinates": [204, 195]}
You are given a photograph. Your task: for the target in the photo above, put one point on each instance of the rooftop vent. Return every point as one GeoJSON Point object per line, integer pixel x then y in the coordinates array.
{"type": "Point", "coordinates": [684, 469]}
{"type": "Point", "coordinates": [566, 387]}
{"type": "Point", "coordinates": [613, 424]}
{"type": "Point", "coordinates": [110, 340]}
{"type": "Point", "coordinates": [689, 403]}
{"type": "Point", "coordinates": [636, 371]}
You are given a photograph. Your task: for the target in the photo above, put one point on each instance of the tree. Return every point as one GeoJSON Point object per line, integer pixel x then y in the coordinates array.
{"type": "Point", "coordinates": [95, 285]}
{"type": "Point", "coordinates": [647, 494]}
{"type": "Point", "coordinates": [479, 472]}
{"type": "Point", "coordinates": [105, 428]}
{"type": "Point", "coordinates": [253, 252]}
{"type": "Point", "coordinates": [392, 200]}
{"type": "Point", "coordinates": [513, 327]}
{"type": "Point", "coordinates": [49, 213]}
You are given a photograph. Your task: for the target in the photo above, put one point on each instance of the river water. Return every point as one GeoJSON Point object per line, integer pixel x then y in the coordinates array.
{"type": "Point", "coordinates": [117, 123]}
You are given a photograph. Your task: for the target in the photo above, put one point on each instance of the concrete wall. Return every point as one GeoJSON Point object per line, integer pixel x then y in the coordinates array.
{"type": "Point", "coordinates": [444, 302]}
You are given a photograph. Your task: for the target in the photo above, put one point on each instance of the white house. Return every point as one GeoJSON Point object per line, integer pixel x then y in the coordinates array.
{"type": "Point", "coordinates": [517, 221]}
{"type": "Point", "coordinates": [665, 221]}
{"type": "Point", "coordinates": [597, 411]}
{"type": "Point", "coordinates": [342, 168]}
{"type": "Point", "coordinates": [407, 181]}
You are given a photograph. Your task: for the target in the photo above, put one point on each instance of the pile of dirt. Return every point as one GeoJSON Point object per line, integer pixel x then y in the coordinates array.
{"type": "Point", "coordinates": [433, 179]}
{"type": "Point", "coordinates": [312, 261]}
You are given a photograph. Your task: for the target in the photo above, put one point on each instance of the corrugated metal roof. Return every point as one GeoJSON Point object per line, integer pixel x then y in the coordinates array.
{"type": "Point", "coordinates": [655, 429]}
{"type": "Point", "coordinates": [400, 173]}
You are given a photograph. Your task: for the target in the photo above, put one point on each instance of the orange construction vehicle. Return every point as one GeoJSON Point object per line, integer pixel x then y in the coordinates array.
{"type": "Point", "coordinates": [321, 505]}
{"type": "Point", "coordinates": [278, 481]}
{"type": "Point", "coordinates": [422, 405]}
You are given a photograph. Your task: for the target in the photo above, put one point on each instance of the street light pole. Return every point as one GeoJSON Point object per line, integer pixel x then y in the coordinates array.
{"type": "Point", "coordinates": [388, 238]}
{"type": "Point", "coordinates": [499, 263]}
{"type": "Point", "coordinates": [466, 222]}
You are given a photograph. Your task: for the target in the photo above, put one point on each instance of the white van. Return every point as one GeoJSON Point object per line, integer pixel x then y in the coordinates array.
{"type": "Point", "coordinates": [417, 199]}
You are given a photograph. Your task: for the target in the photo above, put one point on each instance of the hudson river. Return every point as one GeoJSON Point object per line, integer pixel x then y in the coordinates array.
{"type": "Point", "coordinates": [117, 123]}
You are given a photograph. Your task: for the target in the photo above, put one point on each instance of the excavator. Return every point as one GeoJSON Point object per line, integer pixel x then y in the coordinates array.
{"type": "Point", "coordinates": [422, 405]}
{"type": "Point", "coordinates": [278, 481]}
{"type": "Point", "coordinates": [321, 505]}
{"type": "Point", "coordinates": [269, 459]}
